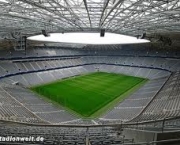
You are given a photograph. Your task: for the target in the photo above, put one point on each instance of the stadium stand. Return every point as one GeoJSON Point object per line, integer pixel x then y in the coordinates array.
{"type": "Point", "coordinates": [30, 72]}
{"type": "Point", "coordinates": [13, 110]}
{"type": "Point", "coordinates": [68, 135]}
{"type": "Point", "coordinates": [147, 67]}
{"type": "Point", "coordinates": [19, 104]}
{"type": "Point", "coordinates": [166, 102]}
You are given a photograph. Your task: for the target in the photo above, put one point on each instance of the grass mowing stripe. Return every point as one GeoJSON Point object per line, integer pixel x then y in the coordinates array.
{"type": "Point", "coordinates": [87, 94]}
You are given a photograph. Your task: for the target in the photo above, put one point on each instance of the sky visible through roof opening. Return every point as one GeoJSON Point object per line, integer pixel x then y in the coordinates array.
{"type": "Point", "coordinates": [88, 38]}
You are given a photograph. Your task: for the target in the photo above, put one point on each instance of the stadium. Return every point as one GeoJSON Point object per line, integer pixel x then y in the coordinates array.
{"type": "Point", "coordinates": [90, 72]}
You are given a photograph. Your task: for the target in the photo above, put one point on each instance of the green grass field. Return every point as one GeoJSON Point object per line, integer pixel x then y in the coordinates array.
{"type": "Point", "coordinates": [87, 94]}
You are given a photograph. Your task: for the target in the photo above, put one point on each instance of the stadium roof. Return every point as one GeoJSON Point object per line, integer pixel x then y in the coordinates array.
{"type": "Point", "coordinates": [129, 17]}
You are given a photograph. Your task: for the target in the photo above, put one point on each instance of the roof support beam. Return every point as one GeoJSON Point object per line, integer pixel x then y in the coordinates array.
{"type": "Point", "coordinates": [114, 6]}
{"type": "Point", "coordinates": [53, 12]}
{"type": "Point", "coordinates": [85, 4]}
{"type": "Point", "coordinates": [102, 14]}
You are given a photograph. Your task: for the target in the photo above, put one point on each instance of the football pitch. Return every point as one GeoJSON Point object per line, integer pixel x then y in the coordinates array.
{"type": "Point", "coordinates": [91, 94]}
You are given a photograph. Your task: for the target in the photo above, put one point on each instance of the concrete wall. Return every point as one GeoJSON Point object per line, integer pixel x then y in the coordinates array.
{"type": "Point", "coordinates": [139, 136]}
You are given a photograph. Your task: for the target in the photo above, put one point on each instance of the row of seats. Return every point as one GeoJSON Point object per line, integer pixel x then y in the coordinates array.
{"type": "Point", "coordinates": [67, 135]}
{"type": "Point", "coordinates": [7, 67]}
{"type": "Point", "coordinates": [13, 110]}
{"type": "Point", "coordinates": [169, 64]}
{"type": "Point", "coordinates": [43, 109]}
{"type": "Point", "coordinates": [135, 50]}
{"type": "Point", "coordinates": [166, 103]}
{"type": "Point", "coordinates": [136, 102]}
{"type": "Point", "coordinates": [31, 79]}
